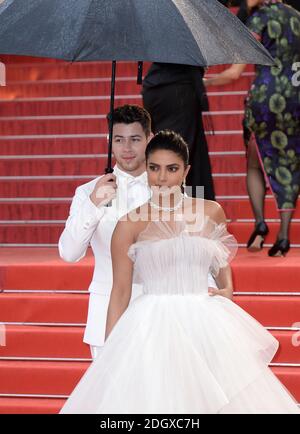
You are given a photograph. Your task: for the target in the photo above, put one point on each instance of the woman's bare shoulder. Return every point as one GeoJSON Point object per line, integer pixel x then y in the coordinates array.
{"type": "Point", "coordinates": [211, 209]}
{"type": "Point", "coordinates": [135, 221]}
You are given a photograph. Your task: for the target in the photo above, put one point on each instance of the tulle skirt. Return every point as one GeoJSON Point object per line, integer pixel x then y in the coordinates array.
{"type": "Point", "coordinates": [183, 354]}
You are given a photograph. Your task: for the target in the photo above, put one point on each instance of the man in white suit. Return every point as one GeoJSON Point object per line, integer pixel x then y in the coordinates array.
{"type": "Point", "coordinates": [92, 222]}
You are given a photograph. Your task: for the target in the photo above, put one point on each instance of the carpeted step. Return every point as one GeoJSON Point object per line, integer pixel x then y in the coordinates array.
{"type": "Point", "coordinates": [45, 187]}
{"type": "Point", "coordinates": [53, 146]}
{"type": "Point", "coordinates": [271, 311]}
{"type": "Point", "coordinates": [241, 209]}
{"type": "Point", "coordinates": [44, 308]}
{"type": "Point", "coordinates": [26, 268]}
{"type": "Point", "coordinates": [55, 106]}
{"type": "Point", "coordinates": [47, 69]}
{"type": "Point", "coordinates": [221, 100]}
{"type": "Point", "coordinates": [67, 342]}
{"type": "Point", "coordinates": [35, 210]}
{"type": "Point", "coordinates": [88, 124]}
{"type": "Point", "coordinates": [53, 166]}
{"type": "Point", "coordinates": [40, 378]}
{"type": "Point", "coordinates": [60, 378]}
{"type": "Point", "coordinates": [289, 347]}
{"type": "Point", "coordinates": [258, 273]}
{"type": "Point", "coordinates": [58, 166]}
{"type": "Point", "coordinates": [51, 342]}
{"type": "Point", "coordinates": [92, 105]}
{"type": "Point", "coordinates": [59, 210]}
{"type": "Point", "coordinates": [87, 86]}
{"type": "Point", "coordinates": [95, 145]}
{"type": "Point", "coordinates": [290, 377]}
{"type": "Point", "coordinates": [49, 233]}
{"type": "Point", "coordinates": [63, 187]}
{"type": "Point", "coordinates": [242, 232]}
{"type": "Point", "coordinates": [61, 88]}
{"type": "Point", "coordinates": [222, 141]}
{"type": "Point", "coordinates": [42, 70]}
{"type": "Point", "coordinates": [30, 405]}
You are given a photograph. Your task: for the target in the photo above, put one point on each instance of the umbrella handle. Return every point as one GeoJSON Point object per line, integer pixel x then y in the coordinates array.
{"type": "Point", "coordinates": [140, 73]}
{"type": "Point", "coordinates": [109, 168]}
{"type": "Point", "coordinates": [111, 116]}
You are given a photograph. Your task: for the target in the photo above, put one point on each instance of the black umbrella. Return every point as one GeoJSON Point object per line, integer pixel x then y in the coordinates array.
{"type": "Point", "coordinates": [192, 32]}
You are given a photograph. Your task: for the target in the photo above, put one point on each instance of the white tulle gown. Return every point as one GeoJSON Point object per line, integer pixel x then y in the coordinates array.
{"type": "Point", "coordinates": [176, 349]}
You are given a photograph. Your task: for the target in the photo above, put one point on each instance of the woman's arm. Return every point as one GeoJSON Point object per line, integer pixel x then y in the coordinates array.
{"type": "Point", "coordinates": [230, 74]}
{"type": "Point", "coordinates": [224, 278]}
{"type": "Point", "coordinates": [122, 267]}
{"type": "Point", "coordinates": [226, 77]}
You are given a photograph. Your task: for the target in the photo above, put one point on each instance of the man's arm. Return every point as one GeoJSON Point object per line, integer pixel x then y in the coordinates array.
{"type": "Point", "coordinates": [85, 214]}
{"type": "Point", "coordinates": [82, 222]}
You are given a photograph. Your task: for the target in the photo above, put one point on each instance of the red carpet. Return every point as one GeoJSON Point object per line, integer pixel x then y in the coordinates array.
{"type": "Point", "coordinates": [53, 127]}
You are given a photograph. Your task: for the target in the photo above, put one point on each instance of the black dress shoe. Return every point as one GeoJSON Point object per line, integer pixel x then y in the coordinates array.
{"type": "Point", "coordinates": [257, 239]}
{"type": "Point", "coordinates": [281, 246]}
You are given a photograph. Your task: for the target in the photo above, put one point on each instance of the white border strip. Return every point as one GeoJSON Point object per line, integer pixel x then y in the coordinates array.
{"type": "Point", "coordinates": [89, 360]}
{"type": "Point", "coordinates": [36, 199]}
{"type": "Point", "coordinates": [89, 117]}
{"type": "Point", "coordinates": [55, 136]}
{"type": "Point", "coordinates": [240, 245]}
{"type": "Point", "coordinates": [91, 156]}
{"type": "Point", "coordinates": [62, 177]}
{"type": "Point", "coordinates": [70, 98]}
{"type": "Point", "coordinates": [80, 325]}
{"type": "Point", "coordinates": [271, 294]}
{"type": "Point", "coordinates": [93, 80]}
{"type": "Point", "coordinates": [14, 395]}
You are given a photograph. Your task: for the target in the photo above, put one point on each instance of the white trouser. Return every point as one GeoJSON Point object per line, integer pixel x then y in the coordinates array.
{"type": "Point", "coordinates": [95, 351]}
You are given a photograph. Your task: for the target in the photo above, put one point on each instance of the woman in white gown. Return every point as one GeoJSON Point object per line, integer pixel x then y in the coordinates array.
{"type": "Point", "coordinates": [180, 347]}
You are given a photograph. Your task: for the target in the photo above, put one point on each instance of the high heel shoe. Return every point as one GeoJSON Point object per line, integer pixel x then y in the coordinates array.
{"type": "Point", "coordinates": [281, 246]}
{"type": "Point", "coordinates": [257, 239]}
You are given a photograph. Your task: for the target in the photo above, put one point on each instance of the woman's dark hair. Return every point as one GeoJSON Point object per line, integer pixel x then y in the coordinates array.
{"type": "Point", "coordinates": [129, 114]}
{"type": "Point", "coordinates": [169, 141]}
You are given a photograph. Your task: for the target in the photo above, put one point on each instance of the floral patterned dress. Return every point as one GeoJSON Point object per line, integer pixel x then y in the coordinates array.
{"type": "Point", "coordinates": [273, 104]}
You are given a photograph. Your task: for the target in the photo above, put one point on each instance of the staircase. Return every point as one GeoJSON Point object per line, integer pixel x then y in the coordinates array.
{"type": "Point", "coordinates": [53, 139]}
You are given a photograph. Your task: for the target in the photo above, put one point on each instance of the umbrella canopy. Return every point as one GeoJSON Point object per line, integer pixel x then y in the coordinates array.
{"type": "Point", "coordinates": [192, 32]}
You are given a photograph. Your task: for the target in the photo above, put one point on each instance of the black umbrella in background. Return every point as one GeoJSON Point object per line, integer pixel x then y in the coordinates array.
{"type": "Point", "coordinates": [191, 32]}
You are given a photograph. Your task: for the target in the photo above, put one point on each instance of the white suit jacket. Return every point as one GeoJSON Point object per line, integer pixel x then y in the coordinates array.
{"type": "Point", "coordinates": [89, 225]}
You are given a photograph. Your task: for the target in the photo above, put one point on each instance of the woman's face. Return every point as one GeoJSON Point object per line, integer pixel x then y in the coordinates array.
{"type": "Point", "coordinates": [165, 170]}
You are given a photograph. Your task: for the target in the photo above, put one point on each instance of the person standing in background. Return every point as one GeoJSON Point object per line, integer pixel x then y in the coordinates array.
{"type": "Point", "coordinates": [244, 12]}
{"type": "Point", "coordinates": [175, 97]}
{"type": "Point", "coordinates": [272, 119]}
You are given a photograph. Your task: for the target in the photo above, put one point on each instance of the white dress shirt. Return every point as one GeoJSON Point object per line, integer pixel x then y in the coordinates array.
{"type": "Point", "coordinates": [88, 224]}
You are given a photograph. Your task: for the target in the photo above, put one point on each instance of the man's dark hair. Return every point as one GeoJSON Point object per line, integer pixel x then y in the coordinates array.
{"type": "Point", "coordinates": [129, 114]}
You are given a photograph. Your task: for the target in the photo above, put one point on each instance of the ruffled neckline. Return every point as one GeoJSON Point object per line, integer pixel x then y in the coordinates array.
{"type": "Point", "coordinates": [159, 230]}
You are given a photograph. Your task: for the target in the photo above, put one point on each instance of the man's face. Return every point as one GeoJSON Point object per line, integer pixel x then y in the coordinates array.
{"type": "Point", "coordinates": [129, 146]}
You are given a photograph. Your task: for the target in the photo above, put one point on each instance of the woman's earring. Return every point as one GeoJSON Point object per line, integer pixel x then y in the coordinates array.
{"type": "Point", "coordinates": [183, 187]}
